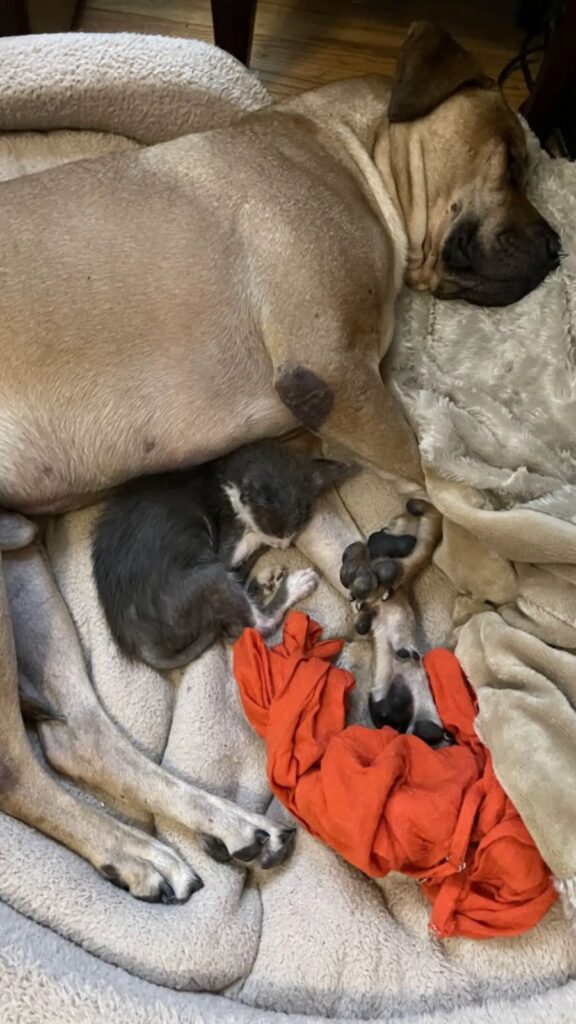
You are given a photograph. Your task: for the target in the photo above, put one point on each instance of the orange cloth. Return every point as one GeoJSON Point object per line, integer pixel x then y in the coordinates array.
{"type": "Point", "coordinates": [386, 801]}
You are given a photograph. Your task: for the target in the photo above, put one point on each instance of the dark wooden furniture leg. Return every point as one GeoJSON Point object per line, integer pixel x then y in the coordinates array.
{"type": "Point", "coordinates": [13, 18]}
{"type": "Point", "coordinates": [18, 17]}
{"type": "Point", "coordinates": [556, 76]}
{"type": "Point", "coordinates": [233, 22]}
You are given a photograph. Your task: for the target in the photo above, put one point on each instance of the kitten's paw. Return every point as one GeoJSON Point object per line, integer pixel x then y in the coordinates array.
{"type": "Point", "coordinates": [301, 584]}
{"type": "Point", "coordinates": [270, 579]}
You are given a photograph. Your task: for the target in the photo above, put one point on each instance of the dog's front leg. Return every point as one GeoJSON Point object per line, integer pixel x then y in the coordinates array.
{"type": "Point", "coordinates": [129, 858]}
{"type": "Point", "coordinates": [328, 533]}
{"type": "Point", "coordinates": [90, 748]}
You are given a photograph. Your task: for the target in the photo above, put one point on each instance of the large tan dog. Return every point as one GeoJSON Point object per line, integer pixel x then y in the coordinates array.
{"type": "Point", "coordinates": [161, 307]}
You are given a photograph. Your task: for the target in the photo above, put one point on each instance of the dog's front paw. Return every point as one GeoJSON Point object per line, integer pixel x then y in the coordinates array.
{"type": "Point", "coordinates": [251, 842]}
{"type": "Point", "coordinates": [150, 871]}
{"type": "Point", "coordinates": [301, 584]}
{"type": "Point", "coordinates": [367, 578]}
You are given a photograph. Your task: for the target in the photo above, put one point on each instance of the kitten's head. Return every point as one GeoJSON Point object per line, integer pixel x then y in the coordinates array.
{"type": "Point", "coordinates": [277, 489]}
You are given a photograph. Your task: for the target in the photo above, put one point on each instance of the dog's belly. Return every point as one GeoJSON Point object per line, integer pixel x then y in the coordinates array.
{"type": "Point", "coordinates": [127, 340]}
{"type": "Point", "coordinates": [63, 467]}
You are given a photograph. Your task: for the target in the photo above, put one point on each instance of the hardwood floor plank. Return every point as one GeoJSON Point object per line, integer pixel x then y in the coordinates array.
{"type": "Point", "coordinates": [299, 44]}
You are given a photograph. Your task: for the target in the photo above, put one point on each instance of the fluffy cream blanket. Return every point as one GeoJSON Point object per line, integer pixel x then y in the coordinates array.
{"type": "Point", "coordinates": [492, 394]}
{"type": "Point", "coordinates": [314, 939]}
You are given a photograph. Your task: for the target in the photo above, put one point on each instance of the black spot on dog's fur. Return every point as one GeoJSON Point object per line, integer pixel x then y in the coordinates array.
{"type": "Point", "coordinates": [306, 395]}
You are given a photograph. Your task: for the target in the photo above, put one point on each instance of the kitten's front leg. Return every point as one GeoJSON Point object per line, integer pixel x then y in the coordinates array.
{"type": "Point", "coordinates": [292, 588]}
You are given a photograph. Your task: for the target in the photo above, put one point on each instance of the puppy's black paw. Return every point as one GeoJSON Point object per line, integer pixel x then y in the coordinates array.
{"type": "Point", "coordinates": [386, 545]}
{"type": "Point", "coordinates": [367, 579]}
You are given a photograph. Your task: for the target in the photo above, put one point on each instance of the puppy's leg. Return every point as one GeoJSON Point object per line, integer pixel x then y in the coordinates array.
{"type": "Point", "coordinates": [400, 695]}
{"type": "Point", "coordinates": [423, 521]}
{"type": "Point", "coordinates": [131, 859]}
{"type": "Point", "coordinates": [89, 747]}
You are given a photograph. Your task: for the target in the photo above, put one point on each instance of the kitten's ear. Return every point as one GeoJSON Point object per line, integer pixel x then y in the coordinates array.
{"type": "Point", "coordinates": [328, 471]}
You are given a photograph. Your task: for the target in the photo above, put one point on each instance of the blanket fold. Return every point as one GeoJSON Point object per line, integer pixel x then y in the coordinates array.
{"type": "Point", "coordinates": [386, 801]}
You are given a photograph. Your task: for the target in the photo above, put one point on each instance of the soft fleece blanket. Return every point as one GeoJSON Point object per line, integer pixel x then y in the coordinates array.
{"type": "Point", "coordinates": [314, 939]}
{"type": "Point", "coordinates": [492, 394]}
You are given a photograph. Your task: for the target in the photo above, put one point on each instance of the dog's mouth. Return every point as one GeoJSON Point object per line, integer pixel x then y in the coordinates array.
{"type": "Point", "coordinates": [501, 273]}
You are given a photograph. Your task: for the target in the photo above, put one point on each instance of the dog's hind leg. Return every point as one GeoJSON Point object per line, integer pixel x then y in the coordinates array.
{"type": "Point", "coordinates": [129, 858]}
{"type": "Point", "coordinates": [90, 748]}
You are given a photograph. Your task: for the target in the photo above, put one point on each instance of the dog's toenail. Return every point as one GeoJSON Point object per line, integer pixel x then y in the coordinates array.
{"type": "Point", "coordinates": [197, 884]}
{"type": "Point", "coordinates": [248, 853]}
{"type": "Point", "coordinates": [167, 894]}
{"type": "Point", "coordinates": [414, 655]}
{"type": "Point", "coordinates": [216, 849]}
{"type": "Point", "coordinates": [273, 858]}
{"type": "Point", "coordinates": [403, 653]}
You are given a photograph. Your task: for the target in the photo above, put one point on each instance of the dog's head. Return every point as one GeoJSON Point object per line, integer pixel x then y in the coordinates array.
{"type": "Point", "coordinates": [453, 156]}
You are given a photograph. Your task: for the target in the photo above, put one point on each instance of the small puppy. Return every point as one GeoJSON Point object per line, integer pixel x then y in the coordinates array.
{"type": "Point", "coordinates": [171, 553]}
{"type": "Point", "coordinates": [374, 573]}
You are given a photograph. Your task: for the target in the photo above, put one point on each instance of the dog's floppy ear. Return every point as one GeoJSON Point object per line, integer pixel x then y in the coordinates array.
{"type": "Point", "coordinates": [431, 67]}
{"type": "Point", "coordinates": [328, 471]}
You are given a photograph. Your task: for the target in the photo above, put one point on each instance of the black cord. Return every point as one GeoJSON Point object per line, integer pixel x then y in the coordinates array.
{"type": "Point", "coordinates": [521, 60]}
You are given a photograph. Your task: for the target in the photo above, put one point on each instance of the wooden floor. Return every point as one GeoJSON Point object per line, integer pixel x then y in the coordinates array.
{"type": "Point", "coordinates": [303, 43]}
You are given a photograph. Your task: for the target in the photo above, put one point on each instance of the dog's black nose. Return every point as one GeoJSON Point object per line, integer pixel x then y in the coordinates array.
{"type": "Point", "coordinates": [395, 709]}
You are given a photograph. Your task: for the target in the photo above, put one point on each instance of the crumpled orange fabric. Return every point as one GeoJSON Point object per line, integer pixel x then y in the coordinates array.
{"type": "Point", "coordinates": [386, 801]}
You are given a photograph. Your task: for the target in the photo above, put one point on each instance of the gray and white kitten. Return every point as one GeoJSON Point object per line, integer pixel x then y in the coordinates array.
{"type": "Point", "coordinates": [171, 553]}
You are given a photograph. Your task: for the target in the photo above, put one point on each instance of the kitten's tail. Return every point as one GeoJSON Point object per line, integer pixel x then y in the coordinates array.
{"type": "Point", "coordinates": [157, 660]}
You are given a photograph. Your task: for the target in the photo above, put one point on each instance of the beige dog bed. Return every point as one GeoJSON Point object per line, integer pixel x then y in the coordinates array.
{"type": "Point", "coordinates": [315, 940]}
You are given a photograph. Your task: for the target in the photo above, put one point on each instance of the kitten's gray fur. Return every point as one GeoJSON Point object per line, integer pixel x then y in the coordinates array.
{"type": "Point", "coordinates": [172, 553]}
